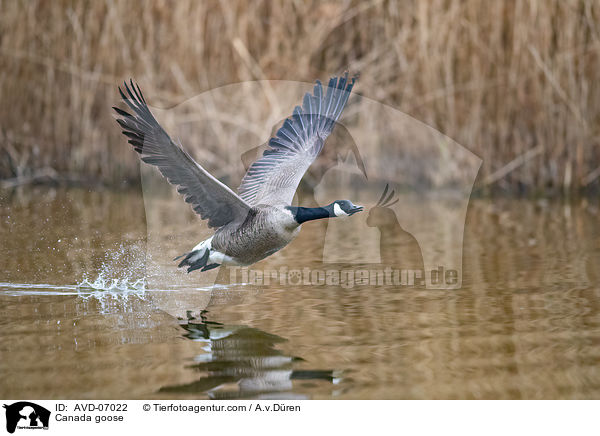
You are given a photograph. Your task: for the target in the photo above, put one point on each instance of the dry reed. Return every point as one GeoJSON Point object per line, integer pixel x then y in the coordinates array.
{"type": "Point", "coordinates": [515, 81]}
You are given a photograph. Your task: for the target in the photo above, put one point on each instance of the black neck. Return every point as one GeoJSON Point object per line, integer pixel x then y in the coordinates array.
{"type": "Point", "coordinates": [303, 214]}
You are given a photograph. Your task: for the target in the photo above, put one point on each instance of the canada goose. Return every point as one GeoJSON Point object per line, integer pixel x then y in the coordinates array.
{"type": "Point", "coordinates": [260, 220]}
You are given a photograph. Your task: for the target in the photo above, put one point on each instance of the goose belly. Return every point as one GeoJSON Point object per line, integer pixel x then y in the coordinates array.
{"type": "Point", "coordinates": [245, 246]}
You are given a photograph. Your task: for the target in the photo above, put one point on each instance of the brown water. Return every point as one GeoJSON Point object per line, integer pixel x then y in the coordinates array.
{"type": "Point", "coordinates": [92, 307]}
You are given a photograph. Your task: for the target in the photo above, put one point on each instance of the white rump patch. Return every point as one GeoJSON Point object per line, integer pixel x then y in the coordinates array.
{"type": "Point", "coordinates": [221, 259]}
{"type": "Point", "coordinates": [204, 244]}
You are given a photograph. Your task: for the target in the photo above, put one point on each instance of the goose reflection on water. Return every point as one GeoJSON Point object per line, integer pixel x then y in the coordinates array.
{"type": "Point", "coordinates": [242, 362]}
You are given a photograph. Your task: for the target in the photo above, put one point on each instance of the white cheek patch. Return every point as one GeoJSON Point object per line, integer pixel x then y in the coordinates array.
{"type": "Point", "coordinates": [337, 210]}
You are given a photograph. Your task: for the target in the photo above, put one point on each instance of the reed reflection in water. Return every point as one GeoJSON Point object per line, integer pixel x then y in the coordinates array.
{"type": "Point", "coordinates": [524, 324]}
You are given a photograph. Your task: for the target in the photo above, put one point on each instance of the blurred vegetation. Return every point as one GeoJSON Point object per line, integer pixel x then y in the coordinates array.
{"type": "Point", "coordinates": [515, 81]}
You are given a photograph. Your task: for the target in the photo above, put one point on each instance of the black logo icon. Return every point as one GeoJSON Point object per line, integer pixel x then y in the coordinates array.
{"type": "Point", "coordinates": [26, 415]}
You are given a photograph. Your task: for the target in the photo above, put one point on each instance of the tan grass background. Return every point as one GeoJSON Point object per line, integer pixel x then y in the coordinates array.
{"type": "Point", "coordinates": [515, 81]}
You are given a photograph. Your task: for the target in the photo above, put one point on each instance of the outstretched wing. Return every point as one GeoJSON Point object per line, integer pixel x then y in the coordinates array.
{"type": "Point", "coordinates": [210, 198]}
{"type": "Point", "coordinates": [274, 178]}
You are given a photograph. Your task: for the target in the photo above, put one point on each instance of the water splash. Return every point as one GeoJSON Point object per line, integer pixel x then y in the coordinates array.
{"type": "Point", "coordinates": [118, 286]}
{"type": "Point", "coordinates": [121, 274]}
{"type": "Point", "coordinates": [125, 272]}
{"type": "Point", "coordinates": [102, 284]}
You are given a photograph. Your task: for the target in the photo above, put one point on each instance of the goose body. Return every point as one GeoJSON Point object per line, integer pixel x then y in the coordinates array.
{"type": "Point", "coordinates": [266, 230]}
{"type": "Point", "coordinates": [259, 220]}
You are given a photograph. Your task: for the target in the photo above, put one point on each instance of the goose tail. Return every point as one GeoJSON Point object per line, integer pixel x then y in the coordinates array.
{"type": "Point", "coordinates": [198, 258]}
